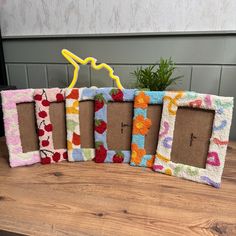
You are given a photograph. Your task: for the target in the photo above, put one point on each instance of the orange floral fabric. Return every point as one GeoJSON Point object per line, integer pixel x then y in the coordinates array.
{"type": "Point", "coordinates": [141, 125]}
{"type": "Point", "coordinates": [151, 161]}
{"type": "Point", "coordinates": [141, 100]}
{"type": "Point", "coordinates": [137, 154]}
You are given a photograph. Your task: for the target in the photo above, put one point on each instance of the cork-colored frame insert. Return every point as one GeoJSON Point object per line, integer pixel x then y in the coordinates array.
{"type": "Point", "coordinates": [10, 99]}
{"type": "Point", "coordinates": [102, 97]}
{"type": "Point", "coordinates": [212, 172]}
{"type": "Point", "coordinates": [43, 98]}
{"type": "Point", "coordinates": [73, 98]}
{"type": "Point", "coordinates": [141, 126]}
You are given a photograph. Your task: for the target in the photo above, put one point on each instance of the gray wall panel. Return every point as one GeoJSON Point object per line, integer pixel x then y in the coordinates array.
{"type": "Point", "coordinates": [33, 51]}
{"type": "Point", "coordinates": [100, 78]}
{"type": "Point", "coordinates": [182, 83]}
{"type": "Point", "coordinates": [124, 72]}
{"type": "Point", "coordinates": [228, 88]}
{"type": "Point", "coordinates": [57, 76]}
{"type": "Point", "coordinates": [37, 76]}
{"type": "Point", "coordinates": [83, 76]}
{"type": "Point", "coordinates": [229, 54]}
{"type": "Point", "coordinates": [124, 50]}
{"type": "Point", "coordinates": [18, 76]}
{"type": "Point", "coordinates": [205, 79]}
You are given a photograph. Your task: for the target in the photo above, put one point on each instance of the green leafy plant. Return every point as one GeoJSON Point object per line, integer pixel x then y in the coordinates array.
{"type": "Point", "coordinates": [156, 78]}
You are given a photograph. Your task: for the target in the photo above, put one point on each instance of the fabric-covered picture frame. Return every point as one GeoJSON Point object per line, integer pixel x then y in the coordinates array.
{"type": "Point", "coordinates": [113, 124]}
{"type": "Point", "coordinates": [79, 121]}
{"type": "Point", "coordinates": [210, 173]}
{"type": "Point", "coordinates": [142, 126]}
{"type": "Point", "coordinates": [20, 128]}
{"type": "Point", "coordinates": [50, 114]}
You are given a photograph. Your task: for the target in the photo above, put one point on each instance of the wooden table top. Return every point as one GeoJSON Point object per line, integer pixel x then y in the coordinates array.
{"type": "Point", "coordinates": [113, 199]}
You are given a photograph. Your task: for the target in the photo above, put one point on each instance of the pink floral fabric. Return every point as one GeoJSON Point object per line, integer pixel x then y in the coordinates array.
{"type": "Point", "coordinates": [10, 99]}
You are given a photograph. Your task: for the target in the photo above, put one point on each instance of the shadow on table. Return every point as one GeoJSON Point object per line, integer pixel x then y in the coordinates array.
{"type": "Point", "coordinates": [4, 151]}
{"type": "Point", "coordinates": [7, 233]}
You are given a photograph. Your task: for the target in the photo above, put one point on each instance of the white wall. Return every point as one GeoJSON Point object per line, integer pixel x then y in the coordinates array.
{"type": "Point", "coordinates": [56, 17]}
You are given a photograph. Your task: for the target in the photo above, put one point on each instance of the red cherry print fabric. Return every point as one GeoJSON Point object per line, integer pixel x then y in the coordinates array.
{"type": "Point", "coordinates": [43, 99]}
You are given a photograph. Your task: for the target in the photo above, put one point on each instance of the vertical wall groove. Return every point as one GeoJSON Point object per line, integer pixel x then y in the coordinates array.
{"type": "Point", "coordinates": [221, 68]}
{"type": "Point", "coordinates": [27, 75]}
{"type": "Point", "coordinates": [7, 74]}
{"type": "Point", "coordinates": [67, 75]}
{"type": "Point", "coordinates": [46, 75]}
{"type": "Point", "coordinates": [191, 77]}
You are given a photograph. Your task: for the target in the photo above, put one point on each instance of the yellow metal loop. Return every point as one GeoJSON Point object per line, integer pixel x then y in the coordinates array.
{"type": "Point", "coordinates": [73, 59]}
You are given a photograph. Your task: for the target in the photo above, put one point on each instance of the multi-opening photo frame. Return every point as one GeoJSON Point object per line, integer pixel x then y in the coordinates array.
{"type": "Point", "coordinates": [50, 114]}
{"type": "Point", "coordinates": [214, 113]}
{"type": "Point", "coordinates": [20, 127]}
{"type": "Point", "coordinates": [146, 124]}
{"type": "Point", "coordinates": [113, 124]}
{"type": "Point", "coordinates": [80, 123]}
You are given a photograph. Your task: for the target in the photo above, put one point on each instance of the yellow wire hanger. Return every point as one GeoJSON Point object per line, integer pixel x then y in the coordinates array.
{"type": "Point", "coordinates": [73, 59]}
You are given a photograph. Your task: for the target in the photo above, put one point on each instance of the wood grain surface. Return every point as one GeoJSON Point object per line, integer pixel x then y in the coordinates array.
{"type": "Point", "coordinates": [113, 199]}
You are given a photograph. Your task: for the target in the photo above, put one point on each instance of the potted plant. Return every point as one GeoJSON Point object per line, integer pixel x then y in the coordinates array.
{"type": "Point", "coordinates": [154, 77]}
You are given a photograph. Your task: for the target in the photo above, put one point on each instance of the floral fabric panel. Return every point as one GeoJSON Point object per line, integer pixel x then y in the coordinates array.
{"type": "Point", "coordinates": [223, 107]}
{"type": "Point", "coordinates": [141, 126]}
{"type": "Point", "coordinates": [73, 98]}
{"type": "Point", "coordinates": [10, 99]}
